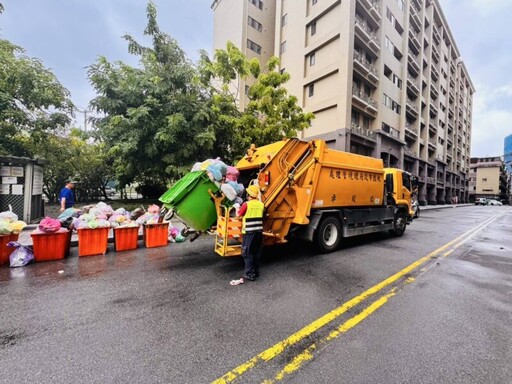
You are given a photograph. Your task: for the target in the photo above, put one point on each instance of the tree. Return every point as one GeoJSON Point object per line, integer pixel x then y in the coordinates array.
{"type": "Point", "coordinates": [32, 101]}
{"type": "Point", "coordinates": [73, 155]}
{"type": "Point", "coordinates": [154, 115]}
{"type": "Point", "coordinates": [271, 113]}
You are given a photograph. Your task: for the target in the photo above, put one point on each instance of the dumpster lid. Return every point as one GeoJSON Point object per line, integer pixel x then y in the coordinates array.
{"type": "Point", "coordinates": [181, 189]}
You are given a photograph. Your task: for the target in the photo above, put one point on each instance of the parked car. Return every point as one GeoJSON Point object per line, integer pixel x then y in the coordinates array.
{"type": "Point", "coordinates": [494, 202]}
{"type": "Point", "coordinates": [110, 191]}
{"type": "Point", "coordinates": [481, 201]}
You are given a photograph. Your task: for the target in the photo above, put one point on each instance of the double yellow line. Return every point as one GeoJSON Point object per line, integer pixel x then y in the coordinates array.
{"type": "Point", "coordinates": [328, 318]}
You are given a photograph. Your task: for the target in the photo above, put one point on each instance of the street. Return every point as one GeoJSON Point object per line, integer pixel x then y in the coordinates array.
{"type": "Point", "coordinates": [432, 306]}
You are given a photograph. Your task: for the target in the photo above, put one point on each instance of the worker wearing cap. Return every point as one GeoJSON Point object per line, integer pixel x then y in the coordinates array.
{"type": "Point", "coordinates": [67, 196]}
{"type": "Point", "coordinates": [252, 230]}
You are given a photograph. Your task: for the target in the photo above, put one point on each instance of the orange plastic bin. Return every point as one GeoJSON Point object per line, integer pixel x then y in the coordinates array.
{"type": "Point", "coordinates": [6, 251]}
{"type": "Point", "coordinates": [126, 238]}
{"type": "Point", "coordinates": [50, 246]}
{"type": "Point", "coordinates": [156, 235]}
{"type": "Point", "coordinates": [92, 241]}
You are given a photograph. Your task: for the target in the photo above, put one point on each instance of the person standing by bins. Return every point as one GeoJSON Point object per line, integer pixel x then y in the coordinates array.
{"type": "Point", "coordinates": [252, 231]}
{"type": "Point", "coordinates": [67, 196]}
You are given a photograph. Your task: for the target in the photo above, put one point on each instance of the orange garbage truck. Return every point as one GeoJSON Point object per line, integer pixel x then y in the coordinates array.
{"type": "Point", "coordinates": [310, 192]}
{"type": "Point", "coordinates": [317, 194]}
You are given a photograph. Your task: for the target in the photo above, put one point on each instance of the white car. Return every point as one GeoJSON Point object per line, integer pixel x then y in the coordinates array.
{"type": "Point", "coordinates": [494, 202]}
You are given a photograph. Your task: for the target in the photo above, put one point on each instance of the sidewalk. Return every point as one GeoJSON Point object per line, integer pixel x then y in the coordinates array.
{"type": "Point", "coordinates": [430, 207]}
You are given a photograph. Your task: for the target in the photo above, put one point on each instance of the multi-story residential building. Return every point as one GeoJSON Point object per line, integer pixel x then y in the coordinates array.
{"type": "Point", "coordinates": [384, 78]}
{"type": "Point", "coordinates": [507, 153]}
{"type": "Point", "coordinates": [487, 178]}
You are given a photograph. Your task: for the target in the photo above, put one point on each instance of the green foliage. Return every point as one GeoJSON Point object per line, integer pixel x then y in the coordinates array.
{"type": "Point", "coordinates": [74, 155]}
{"type": "Point", "coordinates": [271, 114]}
{"type": "Point", "coordinates": [32, 101]}
{"type": "Point", "coordinates": [154, 115]}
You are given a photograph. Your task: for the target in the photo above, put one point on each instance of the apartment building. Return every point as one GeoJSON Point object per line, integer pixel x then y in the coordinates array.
{"type": "Point", "coordinates": [487, 178]}
{"type": "Point", "coordinates": [383, 78]}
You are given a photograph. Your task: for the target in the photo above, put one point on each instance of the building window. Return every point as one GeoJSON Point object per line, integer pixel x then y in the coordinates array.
{"type": "Point", "coordinates": [313, 28]}
{"type": "Point", "coordinates": [312, 59]}
{"type": "Point", "coordinates": [396, 80]}
{"type": "Point", "coordinates": [284, 20]}
{"type": "Point", "coordinates": [253, 46]}
{"type": "Point", "coordinates": [394, 22]}
{"type": "Point", "coordinates": [283, 47]}
{"type": "Point", "coordinates": [313, 2]}
{"type": "Point", "coordinates": [401, 4]}
{"type": "Point", "coordinates": [311, 90]}
{"type": "Point", "coordinates": [247, 90]}
{"type": "Point", "coordinates": [391, 104]}
{"type": "Point", "coordinates": [484, 178]}
{"type": "Point", "coordinates": [253, 23]}
{"type": "Point", "coordinates": [257, 3]}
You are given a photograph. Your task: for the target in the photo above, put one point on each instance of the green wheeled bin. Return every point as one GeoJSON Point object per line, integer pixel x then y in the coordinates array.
{"type": "Point", "coordinates": [191, 202]}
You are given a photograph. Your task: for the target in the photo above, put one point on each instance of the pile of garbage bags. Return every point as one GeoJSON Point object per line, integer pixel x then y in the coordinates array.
{"type": "Point", "coordinates": [224, 176]}
{"type": "Point", "coordinates": [9, 223]}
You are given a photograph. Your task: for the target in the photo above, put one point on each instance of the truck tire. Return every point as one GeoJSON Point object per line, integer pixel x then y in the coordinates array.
{"type": "Point", "coordinates": [328, 235]}
{"type": "Point", "coordinates": [400, 223]}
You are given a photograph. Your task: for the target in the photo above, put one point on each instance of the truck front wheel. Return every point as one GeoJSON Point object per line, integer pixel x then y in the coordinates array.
{"type": "Point", "coordinates": [328, 234]}
{"type": "Point", "coordinates": [399, 224]}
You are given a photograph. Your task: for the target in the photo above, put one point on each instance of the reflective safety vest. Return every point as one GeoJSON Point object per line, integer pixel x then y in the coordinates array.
{"type": "Point", "coordinates": [253, 218]}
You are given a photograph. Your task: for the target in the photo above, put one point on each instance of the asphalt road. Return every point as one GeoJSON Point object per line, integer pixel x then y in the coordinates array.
{"type": "Point", "coordinates": [169, 315]}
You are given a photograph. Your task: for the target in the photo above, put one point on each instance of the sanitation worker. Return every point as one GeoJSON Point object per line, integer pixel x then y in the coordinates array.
{"type": "Point", "coordinates": [251, 212]}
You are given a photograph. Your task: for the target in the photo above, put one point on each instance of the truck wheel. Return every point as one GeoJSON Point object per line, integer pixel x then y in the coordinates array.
{"type": "Point", "coordinates": [328, 235]}
{"type": "Point", "coordinates": [400, 223]}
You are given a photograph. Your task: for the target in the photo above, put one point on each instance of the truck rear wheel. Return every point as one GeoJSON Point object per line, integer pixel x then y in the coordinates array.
{"type": "Point", "coordinates": [400, 223]}
{"type": "Point", "coordinates": [328, 235]}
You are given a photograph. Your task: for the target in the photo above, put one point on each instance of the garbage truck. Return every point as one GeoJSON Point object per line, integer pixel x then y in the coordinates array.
{"type": "Point", "coordinates": [310, 192]}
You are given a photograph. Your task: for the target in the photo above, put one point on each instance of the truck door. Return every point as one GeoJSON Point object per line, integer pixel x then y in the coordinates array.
{"type": "Point", "coordinates": [406, 189]}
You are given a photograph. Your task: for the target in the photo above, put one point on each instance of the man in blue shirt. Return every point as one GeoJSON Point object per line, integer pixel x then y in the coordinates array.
{"type": "Point", "coordinates": [66, 196]}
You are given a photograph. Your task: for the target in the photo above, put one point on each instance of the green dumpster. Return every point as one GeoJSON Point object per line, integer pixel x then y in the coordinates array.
{"type": "Point", "coordinates": [190, 200]}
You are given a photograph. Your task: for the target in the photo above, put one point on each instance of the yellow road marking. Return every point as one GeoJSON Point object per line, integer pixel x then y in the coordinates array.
{"type": "Point", "coordinates": [281, 346]}
{"type": "Point", "coordinates": [307, 354]}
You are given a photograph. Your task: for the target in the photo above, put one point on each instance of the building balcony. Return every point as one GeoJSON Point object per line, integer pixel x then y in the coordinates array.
{"type": "Point", "coordinates": [440, 158]}
{"type": "Point", "coordinates": [391, 132]}
{"type": "Point", "coordinates": [375, 10]}
{"type": "Point", "coordinates": [411, 130]}
{"type": "Point", "coordinates": [412, 108]}
{"type": "Point", "coordinates": [434, 91]}
{"type": "Point", "coordinates": [413, 84]}
{"type": "Point", "coordinates": [362, 132]}
{"type": "Point", "coordinates": [365, 33]}
{"type": "Point", "coordinates": [365, 67]}
{"type": "Point", "coordinates": [430, 180]}
{"type": "Point", "coordinates": [436, 34]}
{"type": "Point", "coordinates": [410, 152]}
{"type": "Point", "coordinates": [435, 53]}
{"type": "Point", "coordinates": [452, 67]}
{"type": "Point", "coordinates": [433, 109]}
{"type": "Point", "coordinates": [414, 39]}
{"type": "Point", "coordinates": [415, 13]}
{"type": "Point", "coordinates": [435, 73]}
{"type": "Point", "coordinates": [414, 63]}
{"type": "Point", "coordinates": [364, 100]}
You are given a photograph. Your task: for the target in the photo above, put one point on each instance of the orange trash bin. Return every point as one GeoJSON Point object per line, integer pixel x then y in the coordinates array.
{"type": "Point", "coordinates": [156, 235]}
{"type": "Point", "coordinates": [126, 238]}
{"type": "Point", "coordinates": [92, 241]}
{"type": "Point", "coordinates": [6, 251]}
{"type": "Point", "coordinates": [50, 246]}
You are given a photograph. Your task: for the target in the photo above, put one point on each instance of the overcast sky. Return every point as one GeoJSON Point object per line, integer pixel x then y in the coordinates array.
{"type": "Point", "coordinates": [68, 35]}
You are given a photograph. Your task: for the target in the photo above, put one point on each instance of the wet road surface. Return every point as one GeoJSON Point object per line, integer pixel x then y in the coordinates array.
{"type": "Point", "coordinates": [169, 315]}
